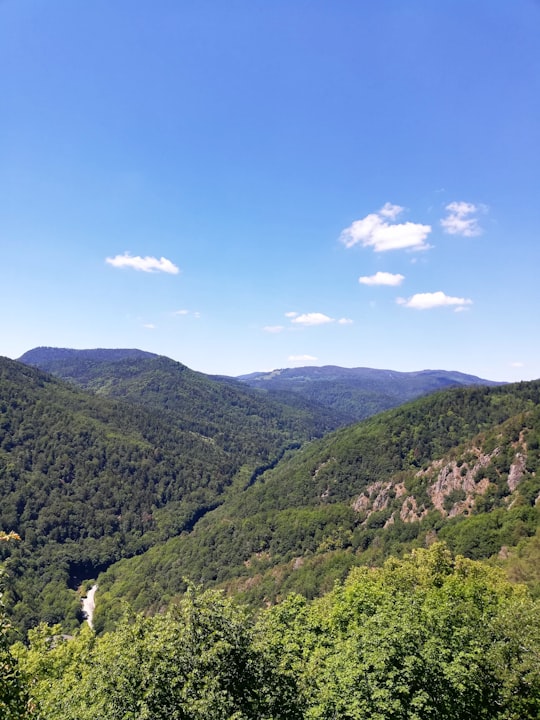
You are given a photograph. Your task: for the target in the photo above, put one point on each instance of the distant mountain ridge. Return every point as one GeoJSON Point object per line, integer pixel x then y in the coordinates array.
{"type": "Point", "coordinates": [44, 355]}
{"type": "Point", "coordinates": [359, 392]}
{"type": "Point", "coordinates": [147, 379]}
{"type": "Point", "coordinates": [340, 395]}
{"type": "Point", "coordinates": [336, 372]}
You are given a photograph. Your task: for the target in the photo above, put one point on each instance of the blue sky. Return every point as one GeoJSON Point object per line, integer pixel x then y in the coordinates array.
{"type": "Point", "coordinates": [247, 185]}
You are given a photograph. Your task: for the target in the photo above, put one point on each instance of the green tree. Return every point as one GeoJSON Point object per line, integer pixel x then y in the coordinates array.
{"type": "Point", "coordinates": [427, 637]}
{"type": "Point", "coordinates": [14, 703]}
{"type": "Point", "coordinates": [199, 661]}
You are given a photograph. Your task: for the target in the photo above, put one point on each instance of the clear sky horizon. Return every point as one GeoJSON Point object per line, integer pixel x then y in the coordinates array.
{"type": "Point", "coordinates": [249, 185]}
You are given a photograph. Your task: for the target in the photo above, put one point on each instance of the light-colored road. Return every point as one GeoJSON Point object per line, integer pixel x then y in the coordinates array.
{"type": "Point", "coordinates": [88, 605]}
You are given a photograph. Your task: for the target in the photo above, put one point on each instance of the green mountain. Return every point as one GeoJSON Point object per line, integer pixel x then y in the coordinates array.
{"type": "Point", "coordinates": [460, 465]}
{"type": "Point", "coordinates": [87, 479]}
{"type": "Point", "coordinates": [50, 358]}
{"type": "Point", "coordinates": [337, 396]}
{"type": "Point", "coordinates": [360, 392]}
{"type": "Point", "coordinates": [206, 404]}
{"type": "Point", "coordinates": [148, 473]}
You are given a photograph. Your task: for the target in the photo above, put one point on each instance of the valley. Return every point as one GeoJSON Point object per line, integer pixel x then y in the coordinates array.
{"type": "Point", "coordinates": [171, 532]}
{"type": "Point", "coordinates": [130, 467]}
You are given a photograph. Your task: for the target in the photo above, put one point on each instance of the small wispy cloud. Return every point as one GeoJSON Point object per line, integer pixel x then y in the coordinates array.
{"type": "Point", "coordinates": [517, 364]}
{"type": "Point", "coordinates": [185, 313]}
{"type": "Point", "coordinates": [427, 301]}
{"type": "Point", "coordinates": [309, 320]}
{"type": "Point", "coordinates": [273, 328]}
{"type": "Point", "coordinates": [377, 232]}
{"type": "Point", "coordinates": [149, 326]}
{"type": "Point", "coordinates": [314, 318]}
{"type": "Point", "coordinates": [144, 264]}
{"type": "Point", "coordinates": [302, 358]}
{"type": "Point", "coordinates": [382, 278]}
{"type": "Point", "coordinates": [462, 219]}
{"type": "Point", "coordinates": [391, 211]}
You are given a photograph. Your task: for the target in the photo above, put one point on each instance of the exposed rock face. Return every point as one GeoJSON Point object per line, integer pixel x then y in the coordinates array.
{"type": "Point", "coordinates": [517, 470]}
{"type": "Point", "coordinates": [451, 487]}
{"type": "Point", "coordinates": [465, 477]}
{"type": "Point", "coordinates": [410, 512]}
{"type": "Point", "coordinates": [375, 497]}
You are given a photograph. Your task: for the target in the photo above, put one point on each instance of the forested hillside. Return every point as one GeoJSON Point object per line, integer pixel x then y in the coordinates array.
{"type": "Point", "coordinates": [86, 480]}
{"type": "Point", "coordinates": [211, 405]}
{"type": "Point", "coordinates": [338, 396]}
{"type": "Point", "coordinates": [430, 636]}
{"type": "Point", "coordinates": [360, 392]}
{"type": "Point", "coordinates": [155, 473]}
{"type": "Point", "coordinates": [461, 465]}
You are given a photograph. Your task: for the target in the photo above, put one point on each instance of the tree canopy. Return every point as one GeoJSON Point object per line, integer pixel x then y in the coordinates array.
{"type": "Point", "coordinates": [427, 637]}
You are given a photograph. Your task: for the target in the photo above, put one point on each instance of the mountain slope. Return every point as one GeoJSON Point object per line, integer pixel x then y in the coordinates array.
{"type": "Point", "coordinates": [87, 479]}
{"type": "Point", "coordinates": [51, 358]}
{"type": "Point", "coordinates": [360, 494]}
{"type": "Point", "coordinates": [214, 406]}
{"type": "Point", "coordinates": [358, 392]}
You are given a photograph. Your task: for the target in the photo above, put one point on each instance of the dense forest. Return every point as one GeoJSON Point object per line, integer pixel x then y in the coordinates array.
{"type": "Point", "coordinates": [87, 480]}
{"type": "Point", "coordinates": [360, 392]}
{"type": "Point", "coordinates": [147, 473]}
{"type": "Point", "coordinates": [339, 396]}
{"type": "Point", "coordinates": [212, 405]}
{"type": "Point", "coordinates": [343, 500]}
{"type": "Point", "coordinates": [257, 559]}
{"type": "Point", "coordinates": [429, 636]}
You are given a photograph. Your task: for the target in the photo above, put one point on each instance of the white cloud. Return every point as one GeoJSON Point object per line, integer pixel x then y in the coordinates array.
{"type": "Point", "coordinates": [149, 326]}
{"type": "Point", "coordinates": [375, 231]}
{"type": "Point", "coordinates": [391, 211]}
{"type": "Point", "coordinates": [273, 328]}
{"type": "Point", "coordinates": [426, 301]}
{"type": "Point", "coordinates": [301, 358]}
{"type": "Point", "coordinates": [184, 313]}
{"type": "Point", "coordinates": [462, 220]}
{"type": "Point", "coordinates": [309, 319]}
{"type": "Point", "coordinates": [145, 264]}
{"type": "Point", "coordinates": [382, 278]}
{"type": "Point", "coordinates": [517, 364]}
